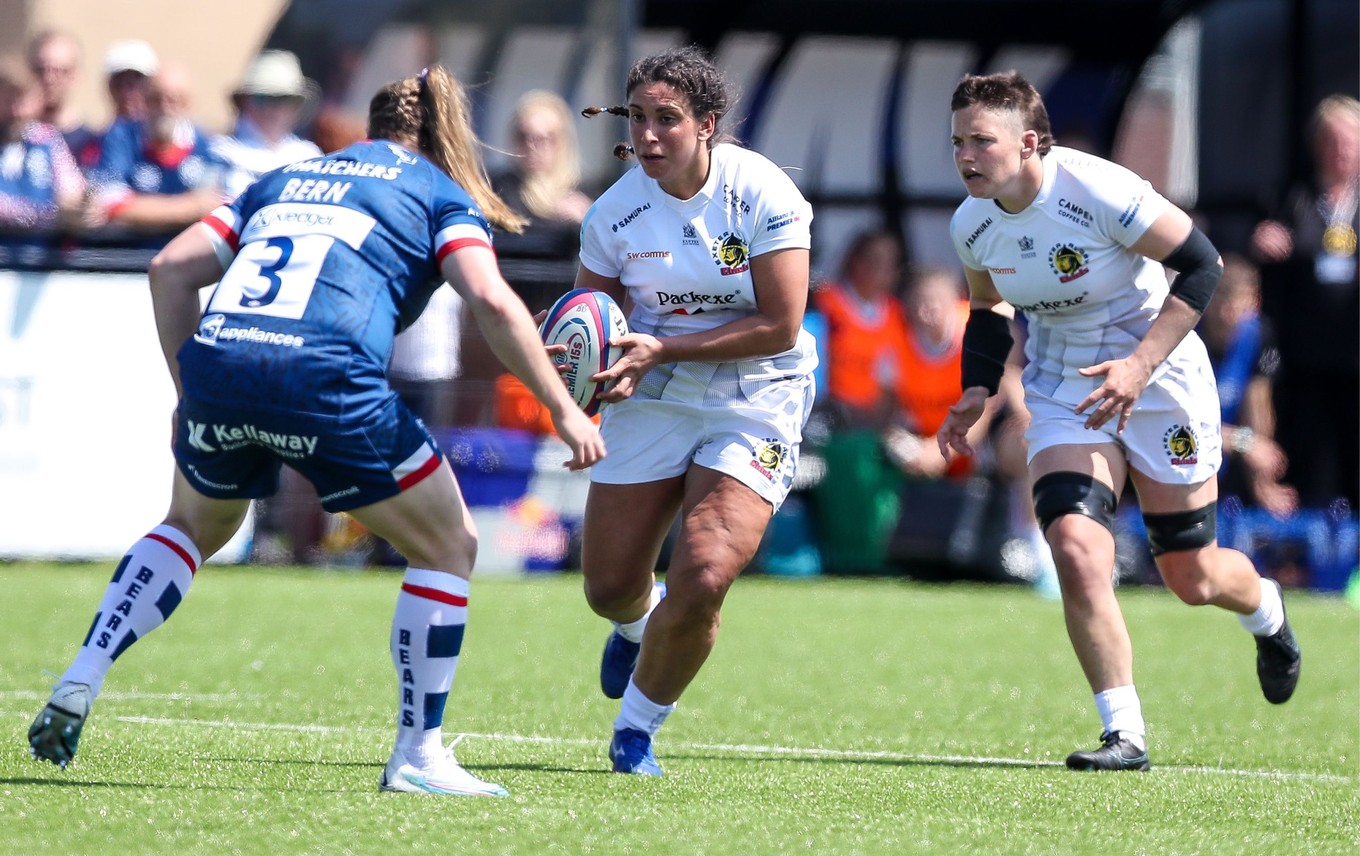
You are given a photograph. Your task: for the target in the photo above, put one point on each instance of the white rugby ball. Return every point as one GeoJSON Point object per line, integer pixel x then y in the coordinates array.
{"type": "Point", "coordinates": [584, 321]}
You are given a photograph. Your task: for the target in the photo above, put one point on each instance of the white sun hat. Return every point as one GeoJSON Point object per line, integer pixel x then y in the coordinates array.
{"type": "Point", "coordinates": [130, 55]}
{"type": "Point", "coordinates": [276, 74]}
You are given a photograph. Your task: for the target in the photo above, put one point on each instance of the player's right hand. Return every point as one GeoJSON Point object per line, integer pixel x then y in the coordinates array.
{"type": "Point", "coordinates": [583, 436]}
{"type": "Point", "coordinates": [953, 434]}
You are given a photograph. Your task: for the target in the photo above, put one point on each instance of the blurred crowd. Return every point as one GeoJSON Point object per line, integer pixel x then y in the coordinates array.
{"type": "Point", "coordinates": [153, 169]}
{"type": "Point", "coordinates": [1283, 328]}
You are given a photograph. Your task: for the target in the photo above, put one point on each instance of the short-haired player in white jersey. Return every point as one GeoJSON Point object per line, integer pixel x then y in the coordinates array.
{"type": "Point", "coordinates": [1118, 385]}
{"type": "Point", "coordinates": [707, 245]}
{"type": "Point", "coordinates": [319, 264]}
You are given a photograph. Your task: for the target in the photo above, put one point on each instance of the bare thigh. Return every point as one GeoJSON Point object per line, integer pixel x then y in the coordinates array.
{"type": "Point", "coordinates": [1103, 462]}
{"type": "Point", "coordinates": [208, 522]}
{"type": "Point", "coordinates": [625, 526]}
{"type": "Point", "coordinates": [1160, 498]}
{"type": "Point", "coordinates": [723, 523]}
{"type": "Point", "coordinates": [428, 523]}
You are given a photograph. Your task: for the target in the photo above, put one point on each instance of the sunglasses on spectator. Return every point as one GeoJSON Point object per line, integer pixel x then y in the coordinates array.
{"type": "Point", "coordinates": [275, 100]}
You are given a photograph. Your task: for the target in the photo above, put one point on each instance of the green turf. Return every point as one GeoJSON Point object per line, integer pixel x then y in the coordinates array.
{"type": "Point", "coordinates": [836, 716]}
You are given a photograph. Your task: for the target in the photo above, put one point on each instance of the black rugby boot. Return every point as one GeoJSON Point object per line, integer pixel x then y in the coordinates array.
{"type": "Point", "coordinates": [1115, 753]}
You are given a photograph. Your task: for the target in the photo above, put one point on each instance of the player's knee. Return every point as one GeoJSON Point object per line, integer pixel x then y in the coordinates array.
{"type": "Point", "coordinates": [1181, 531]}
{"type": "Point", "coordinates": [453, 553]}
{"type": "Point", "coordinates": [1178, 541]}
{"type": "Point", "coordinates": [612, 595]}
{"type": "Point", "coordinates": [697, 590]}
{"type": "Point", "coordinates": [1062, 493]}
{"type": "Point", "coordinates": [1187, 577]}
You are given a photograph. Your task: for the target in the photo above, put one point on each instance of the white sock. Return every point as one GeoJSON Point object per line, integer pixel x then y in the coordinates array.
{"type": "Point", "coordinates": [640, 712]}
{"type": "Point", "coordinates": [1269, 616]}
{"type": "Point", "coordinates": [427, 636]}
{"type": "Point", "coordinates": [149, 583]}
{"type": "Point", "coordinates": [632, 631]}
{"type": "Point", "coordinates": [1121, 711]}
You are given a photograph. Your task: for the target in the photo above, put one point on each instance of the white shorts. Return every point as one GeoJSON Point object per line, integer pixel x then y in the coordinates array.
{"type": "Point", "coordinates": [754, 439]}
{"type": "Point", "coordinates": [1174, 435]}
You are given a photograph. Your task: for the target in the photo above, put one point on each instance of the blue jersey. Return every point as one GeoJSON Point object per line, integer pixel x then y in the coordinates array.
{"type": "Point", "coordinates": [327, 259]}
{"type": "Point", "coordinates": [130, 163]}
{"type": "Point", "coordinates": [36, 173]}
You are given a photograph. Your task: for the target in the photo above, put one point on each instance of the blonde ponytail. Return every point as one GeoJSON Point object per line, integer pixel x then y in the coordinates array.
{"type": "Point", "coordinates": [432, 111]}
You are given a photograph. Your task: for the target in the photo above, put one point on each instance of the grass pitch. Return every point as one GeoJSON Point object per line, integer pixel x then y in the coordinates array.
{"type": "Point", "coordinates": [836, 716]}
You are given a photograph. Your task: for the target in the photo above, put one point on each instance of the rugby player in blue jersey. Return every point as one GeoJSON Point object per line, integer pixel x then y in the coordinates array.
{"type": "Point", "coordinates": [320, 264]}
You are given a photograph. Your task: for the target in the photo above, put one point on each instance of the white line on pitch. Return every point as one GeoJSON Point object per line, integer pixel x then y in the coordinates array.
{"type": "Point", "coordinates": [735, 749]}
{"type": "Point", "coordinates": [35, 695]}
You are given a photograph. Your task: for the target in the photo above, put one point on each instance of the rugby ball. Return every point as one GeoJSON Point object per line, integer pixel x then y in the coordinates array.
{"type": "Point", "coordinates": [584, 321]}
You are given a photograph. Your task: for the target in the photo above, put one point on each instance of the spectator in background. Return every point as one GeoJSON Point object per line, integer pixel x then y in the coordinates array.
{"type": "Point", "coordinates": [128, 66]}
{"type": "Point", "coordinates": [41, 188]}
{"type": "Point", "coordinates": [1010, 450]}
{"type": "Point", "coordinates": [270, 101]}
{"type": "Point", "coordinates": [54, 58]}
{"type": "Point", "coordinates": [334, 128]}
{"type": "Point", "coordinates": [426, 360]}
{"type": "Point", "coordinates": [935, 309]}
{"type": "Point", "coordinates": [1246, 360]}
{"type": "Point", "coordinates": [865, 331]}
{"type": "Point", "coordinates": [157, 174]}
{"type": "Point", "coordinates": [543, 180]}
{"type": "Point", "coordinates": [935, 306]}
{"type": "Point", "coordinates": [1308, 273]}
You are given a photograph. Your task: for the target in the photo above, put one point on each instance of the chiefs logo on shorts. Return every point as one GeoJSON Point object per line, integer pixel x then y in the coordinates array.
{"type": "Point", "coordinates": [1181, 445]}
{"type": "Point", "coordinates": [770, 455]}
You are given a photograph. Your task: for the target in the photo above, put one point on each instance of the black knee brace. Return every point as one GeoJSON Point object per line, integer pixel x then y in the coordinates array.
{"type": "Point", "coordinates": [1182, 530]}
{"type": "Point", "coordinates": [1062, 493]}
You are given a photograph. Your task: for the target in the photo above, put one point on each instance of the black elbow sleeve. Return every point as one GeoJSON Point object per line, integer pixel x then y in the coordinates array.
{"type": "Point", "coordinates": [986, 344]}
{"type": "Point", "coordinates": [1199, 270]}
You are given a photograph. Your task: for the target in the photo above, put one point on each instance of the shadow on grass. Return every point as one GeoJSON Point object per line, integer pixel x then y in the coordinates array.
{"type": "Point", "coordinates": [541, 768]}
{"type": "Point", "coordinates": [962, 763]}
{"type": "Point", "coordinates": [302, 762]}
{"type": "Point", "coordinates": [171, 786]}
{"type": "Point", "coordinates": [71, 783]}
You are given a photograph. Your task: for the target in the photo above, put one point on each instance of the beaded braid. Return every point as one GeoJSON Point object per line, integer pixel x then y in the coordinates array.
{"type": "Point", "coordinates": [622, 151]}
{"type": "Point", "coordinates": [691, 73]}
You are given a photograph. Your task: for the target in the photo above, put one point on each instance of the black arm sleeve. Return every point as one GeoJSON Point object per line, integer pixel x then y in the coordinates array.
{"type": "Point", "coordinates": [986, 344]}
{"type": "Point", "coordinates": [1197, 262]}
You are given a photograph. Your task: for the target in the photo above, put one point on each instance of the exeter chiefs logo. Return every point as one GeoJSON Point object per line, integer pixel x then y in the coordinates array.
{"type": "Point", "coordinates": [1182, 447]}
{"type": "Point", "coordinates": [770, 455]}
{"type": "Point", "coordinates": [730, 253]}
{"type": "Point", "coordinates": [1068, 262]}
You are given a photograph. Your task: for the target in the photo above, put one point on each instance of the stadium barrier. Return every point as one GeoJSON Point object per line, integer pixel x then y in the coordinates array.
{"type": "Point", "coordinates": [85, 462]}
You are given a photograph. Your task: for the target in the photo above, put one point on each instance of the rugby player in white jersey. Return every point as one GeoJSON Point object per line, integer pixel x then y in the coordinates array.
{"type": "Point", "coordinates": [1118, 384]}
{"type": "Point", "coordinates": [707, 246]}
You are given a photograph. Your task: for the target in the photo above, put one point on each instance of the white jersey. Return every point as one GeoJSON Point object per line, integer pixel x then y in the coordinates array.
{"type": "Point", "coordinates": [686, 264]}
{"type": "Point", "coordinates": [249, 155]}
{"type": "Point", "coordinates": [1064, 261]}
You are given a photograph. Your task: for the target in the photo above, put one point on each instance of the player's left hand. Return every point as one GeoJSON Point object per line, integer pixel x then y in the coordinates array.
{"type": "Point", "coordinates": [555, 351]}
{"type": "Point", "coordinates": [641, 353]}
{"type": "Point", "coordinates": [1124, 381]}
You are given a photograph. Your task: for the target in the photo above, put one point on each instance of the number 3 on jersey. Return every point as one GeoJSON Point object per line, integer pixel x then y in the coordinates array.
{"type": "Point", "coordinates": [274, 276]}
